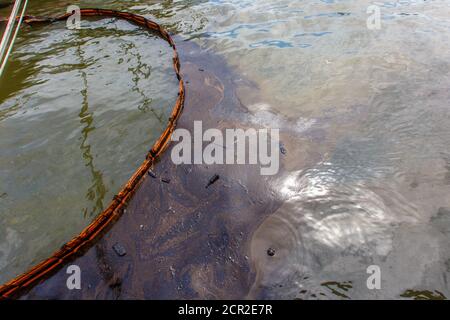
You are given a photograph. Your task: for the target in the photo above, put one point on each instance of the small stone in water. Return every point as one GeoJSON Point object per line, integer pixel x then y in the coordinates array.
{"type": "Point", "coordinates": [270, 252]}
{"type": "Point", "coordinates": [119, 249]}
{"type": "Point", "coordinates": [151, 174]}
{"type": "Point", "coordinates": [283, 149]}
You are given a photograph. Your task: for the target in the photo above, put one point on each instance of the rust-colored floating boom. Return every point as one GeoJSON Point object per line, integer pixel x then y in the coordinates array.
{"type": "Point", "coordinates": [91, 233]}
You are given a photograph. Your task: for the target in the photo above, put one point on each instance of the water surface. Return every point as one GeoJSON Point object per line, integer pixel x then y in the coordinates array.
{"type": "Point", "coordinates": [364, 117]}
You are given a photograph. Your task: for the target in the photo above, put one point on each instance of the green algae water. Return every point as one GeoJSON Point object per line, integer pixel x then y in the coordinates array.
{"type": "Point", "coordinates": [364, 116]}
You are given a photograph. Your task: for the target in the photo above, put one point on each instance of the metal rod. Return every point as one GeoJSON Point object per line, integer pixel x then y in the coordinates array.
{"type": "Point", "coordinates": [9, 27]}
{"type": "Point", "coordinates": [8, 33]}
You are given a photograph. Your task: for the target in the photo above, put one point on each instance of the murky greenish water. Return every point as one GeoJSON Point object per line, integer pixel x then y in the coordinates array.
{"type": "Point", "coordinates": [364, 115]}
{"type": "Point", "coordinates": [79, 110]}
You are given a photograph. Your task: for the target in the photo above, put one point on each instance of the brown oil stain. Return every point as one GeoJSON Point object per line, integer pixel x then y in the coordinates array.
{"type": "Point", "coordinates": [182, 240]}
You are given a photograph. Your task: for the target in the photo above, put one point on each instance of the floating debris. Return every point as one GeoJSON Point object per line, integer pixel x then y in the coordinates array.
{"type": "Point", "coordinates": [271, 252]}
{"type": "Point", "coordinates": [119, 249]}
{"type": "Point", "coordinates": [151, 174]}
{"type": "Point", "coordinates": [213, 179]}
{"type": "Point", "coordinates": [5, 5]}
{"type": "Point", "coordinates": [165, 180]}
